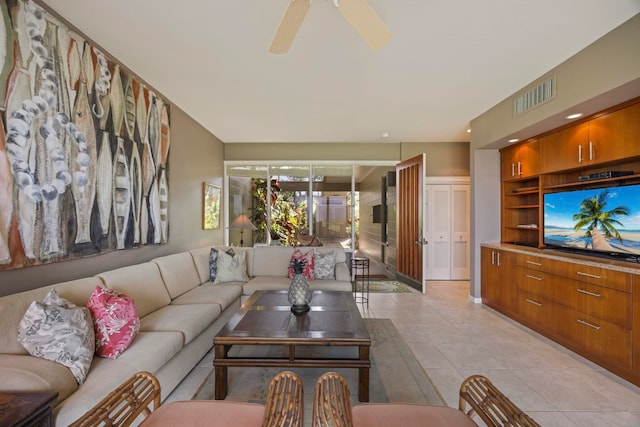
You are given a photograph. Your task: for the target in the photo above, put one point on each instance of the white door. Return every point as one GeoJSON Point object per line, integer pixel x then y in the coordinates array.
{"type": "Point", "coordinates": [460, 232]}
{"type": "Point", "coordinates": [438, 231]}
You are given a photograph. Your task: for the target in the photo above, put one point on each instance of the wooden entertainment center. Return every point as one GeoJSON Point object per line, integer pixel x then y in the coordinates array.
{"type": "Point", "coordinates": [586, 303]}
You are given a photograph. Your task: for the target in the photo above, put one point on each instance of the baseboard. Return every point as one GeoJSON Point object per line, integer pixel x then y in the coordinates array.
{"type": "Point", "coordinates": [475, 300]}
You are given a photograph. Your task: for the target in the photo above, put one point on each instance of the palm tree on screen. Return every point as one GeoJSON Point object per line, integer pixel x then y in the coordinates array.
{"type": "Point", "coordinates": [596, 219]}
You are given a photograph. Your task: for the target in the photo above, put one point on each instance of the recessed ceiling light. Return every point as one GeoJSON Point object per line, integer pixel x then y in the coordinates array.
{"type": "Point", "coordinates": [574, 116]}
{"type": "Point", "coordinates": [385, 135]}
{"type": "Point", "coordinates": [514, 140]}
{"type": "Point", "coordinates": [469, 130]}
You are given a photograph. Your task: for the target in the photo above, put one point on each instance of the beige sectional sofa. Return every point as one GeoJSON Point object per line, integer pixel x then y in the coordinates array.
{"type": "Point", "coordinates": [180, 313]}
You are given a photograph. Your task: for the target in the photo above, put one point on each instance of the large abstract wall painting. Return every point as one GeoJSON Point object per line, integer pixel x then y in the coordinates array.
{"type": "Point", "coordinates": [84, 146]}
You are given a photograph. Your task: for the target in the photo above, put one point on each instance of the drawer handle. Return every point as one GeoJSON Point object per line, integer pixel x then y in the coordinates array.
{"type": "Point", "coordinates": [534, 263]}
{"type": "Point", "coordinates": [588, 324]}
{"type": "Point", "coordinates": [533, 277]}
{"type": "Point", "coordinates": [582, 291]}
{"type": "Point", "coordinates": [593, 276]}
{"type": "Point", "coordinates": [534, 303]}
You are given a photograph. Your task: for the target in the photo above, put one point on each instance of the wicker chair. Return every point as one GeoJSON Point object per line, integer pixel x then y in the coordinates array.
{"type": "Point", "coordinates": [122, 406]}
{"type": "Point", "coordinates": [331, 402]}
{"type": "Point", "coordinates": [285, 401]}
{"type": "Point", "coordinates": [493, 407]}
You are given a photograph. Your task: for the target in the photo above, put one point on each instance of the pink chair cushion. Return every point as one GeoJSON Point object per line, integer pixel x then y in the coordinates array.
{"type": "Point", "coordinates": [408, 414]}
{"type": "Point", "coordinates": [210, 413]}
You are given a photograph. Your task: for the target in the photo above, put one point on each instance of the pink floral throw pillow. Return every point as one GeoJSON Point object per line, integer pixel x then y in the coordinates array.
{"type": "Point", "coordinates": [307, 257]}
{"type": "Point", "coordinates": [115, 321]}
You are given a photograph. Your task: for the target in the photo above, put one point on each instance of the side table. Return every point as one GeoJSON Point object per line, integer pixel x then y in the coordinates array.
{"type": "Point", "coordinates": [360, 279]}
{"type": "Point", "coordinates": [26, 409]}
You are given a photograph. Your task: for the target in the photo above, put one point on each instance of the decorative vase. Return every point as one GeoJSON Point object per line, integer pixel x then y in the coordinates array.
{"type": "Point", "coordinates": [299, 294]}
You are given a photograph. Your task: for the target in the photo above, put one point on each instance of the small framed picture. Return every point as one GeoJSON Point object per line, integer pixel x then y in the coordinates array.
{"type": "Point", "coordinates": [211, 200]}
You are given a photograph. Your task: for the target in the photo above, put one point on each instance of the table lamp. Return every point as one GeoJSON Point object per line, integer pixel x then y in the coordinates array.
{"type": "Point", "coordinates": [242, 223]}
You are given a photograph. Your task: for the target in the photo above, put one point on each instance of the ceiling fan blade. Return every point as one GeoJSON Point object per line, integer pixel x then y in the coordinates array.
{"type": "Point", "coordinates": [366, 22]}
{"type": "Point", "coordinates": [291, 21]}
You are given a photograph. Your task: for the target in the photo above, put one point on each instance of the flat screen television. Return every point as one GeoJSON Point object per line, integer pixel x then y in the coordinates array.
{"type": "Point", "coordinates": [604, 221]}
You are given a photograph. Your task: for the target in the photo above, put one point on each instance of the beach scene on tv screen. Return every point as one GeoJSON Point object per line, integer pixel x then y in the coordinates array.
{"type": "Point", "coordinates": [606, 219]}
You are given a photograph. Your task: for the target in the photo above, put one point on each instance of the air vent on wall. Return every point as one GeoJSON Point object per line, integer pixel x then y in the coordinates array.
{"type": "Point", "coordinates": [535, 96]}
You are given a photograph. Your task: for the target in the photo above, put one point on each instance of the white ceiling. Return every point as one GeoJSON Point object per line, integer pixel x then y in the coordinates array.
{"type": "Point", "coordinates": [448, 61]}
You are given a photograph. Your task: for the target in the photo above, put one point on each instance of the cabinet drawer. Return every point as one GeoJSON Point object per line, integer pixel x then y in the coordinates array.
{"type": "Point", "coordinates": [536, 311]}
{"type": "Point", "coordinates": [533, 262]}
{"type": "Point", "coordinates": [601, 276]}
{"type": "Point", "coordinates": [596, 337]}
{"type": "Point", "coordinates": [607, 341]}
{"type": "Point", "coordinates": [597, 301]}
{"type": "Point", "coordinates": [537, 283]}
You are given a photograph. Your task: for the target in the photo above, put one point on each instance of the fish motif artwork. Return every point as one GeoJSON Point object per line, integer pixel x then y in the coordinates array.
{"type": "Point", "coordinates": [121, 193]}
{"type": "Point", "coordinates": [104, 183]}
{"type": "Point", "coordinates": [84, 146]}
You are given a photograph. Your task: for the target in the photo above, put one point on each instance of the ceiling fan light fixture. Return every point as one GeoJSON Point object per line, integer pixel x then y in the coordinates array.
{"type": "Point", "coordinates": [358, 13]}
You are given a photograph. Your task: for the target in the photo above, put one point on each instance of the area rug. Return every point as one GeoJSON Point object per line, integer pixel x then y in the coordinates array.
{"type": "Point", "coordinates": [395, 374]}
{"type": "Point", "coordinates": [386, 286]}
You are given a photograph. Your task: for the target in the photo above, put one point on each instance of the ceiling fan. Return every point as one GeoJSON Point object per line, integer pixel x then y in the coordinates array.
{"type": "Point", "coordinates": [358, 13]}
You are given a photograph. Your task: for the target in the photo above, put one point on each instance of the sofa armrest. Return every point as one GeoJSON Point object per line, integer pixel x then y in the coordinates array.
{"type": "Point", "coordinates": [342, 272]}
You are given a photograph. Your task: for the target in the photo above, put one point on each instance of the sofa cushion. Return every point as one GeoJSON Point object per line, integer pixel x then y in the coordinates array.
{"type": "Point", "coordinates": [58, 330]}
{"type": "Point", "coordinates": [151, 350]}
{"type": "Point", "coordinates": [271, 260]}
{"type": "Point", "coordinates": [13, 307]}
{"type": "Point", "coordinates": [115, 321]}
{"type": "Point", "coordinates": [201, 260]}
{"type": "Point", "coordinates": [224, 294]}
{"type": "Point", "coordinates": [231, 268]}
{"type": "Point", "coordinates": [178, 272]}
{"type": "Point", "coordinates": [306, 258]}
{"type": "Point", "coordinates": [104, 376]}
{"type": "Point", "coordinates": [266, 283]}
{"type": "Point", "coordinates": [330, 285]}
{"type": "Point", "coordinates": [324, 265]}
{"type": "Point", "coordinates": [142, 282]}
{"type": "Point", "coordinates": [190, 319]}
{"type": "Point", "coordinates": [29, 373]}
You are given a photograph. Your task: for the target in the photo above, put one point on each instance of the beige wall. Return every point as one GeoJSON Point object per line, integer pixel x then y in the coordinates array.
{"type": "Point", "coordinates": [195, 156]}
{"type": "Point", "coordinates": [311, 151]}
{"type": "Point", "coordinates": [443, 158]}
{"type": "Point", "coordinates": [604, 74]}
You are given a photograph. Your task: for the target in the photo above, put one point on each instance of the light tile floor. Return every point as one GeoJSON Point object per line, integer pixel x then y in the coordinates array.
{"type": "Point", "coordinates": [454, 338]}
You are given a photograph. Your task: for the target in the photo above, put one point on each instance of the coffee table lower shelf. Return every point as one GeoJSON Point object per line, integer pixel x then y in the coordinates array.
{"type": "Point", "coordinates": [222, 362]}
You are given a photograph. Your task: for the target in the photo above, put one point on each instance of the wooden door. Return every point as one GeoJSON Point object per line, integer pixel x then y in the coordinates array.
{"type": "Point", "coordinates": [410, 220]}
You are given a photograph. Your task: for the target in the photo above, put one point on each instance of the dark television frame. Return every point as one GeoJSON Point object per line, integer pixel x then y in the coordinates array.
{"type": "Point", "coordinates": [617, 255]}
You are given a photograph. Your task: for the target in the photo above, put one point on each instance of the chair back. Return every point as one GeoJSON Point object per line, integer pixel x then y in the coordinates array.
{"type": "Point", "coordinates": [488, 402]}
{"type": "Point", "coordinates": [122, 406]}
{"type": "Point", "coordinates": [332, 402]}
{"type": "Point", "coordinates": [285, 401]}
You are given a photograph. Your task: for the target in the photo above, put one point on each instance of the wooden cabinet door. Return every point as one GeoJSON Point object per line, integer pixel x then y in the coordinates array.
{"type": "Point", "coordinates": [615, 136]}
{"type": "Point", "coordinates": [565, 149]}
{"type": "Point", "coordinates": [488, 276]}
{"type": "Point", "coordinates": [498, 279]}
{"type": "Point", "coordinates": [519, 161]}
{"type": "Point", "coordinates": [507, 280]}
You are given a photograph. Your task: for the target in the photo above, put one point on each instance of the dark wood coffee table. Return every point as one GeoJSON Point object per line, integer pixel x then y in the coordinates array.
{"type": "Point", "coordinates": [265, 319]}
